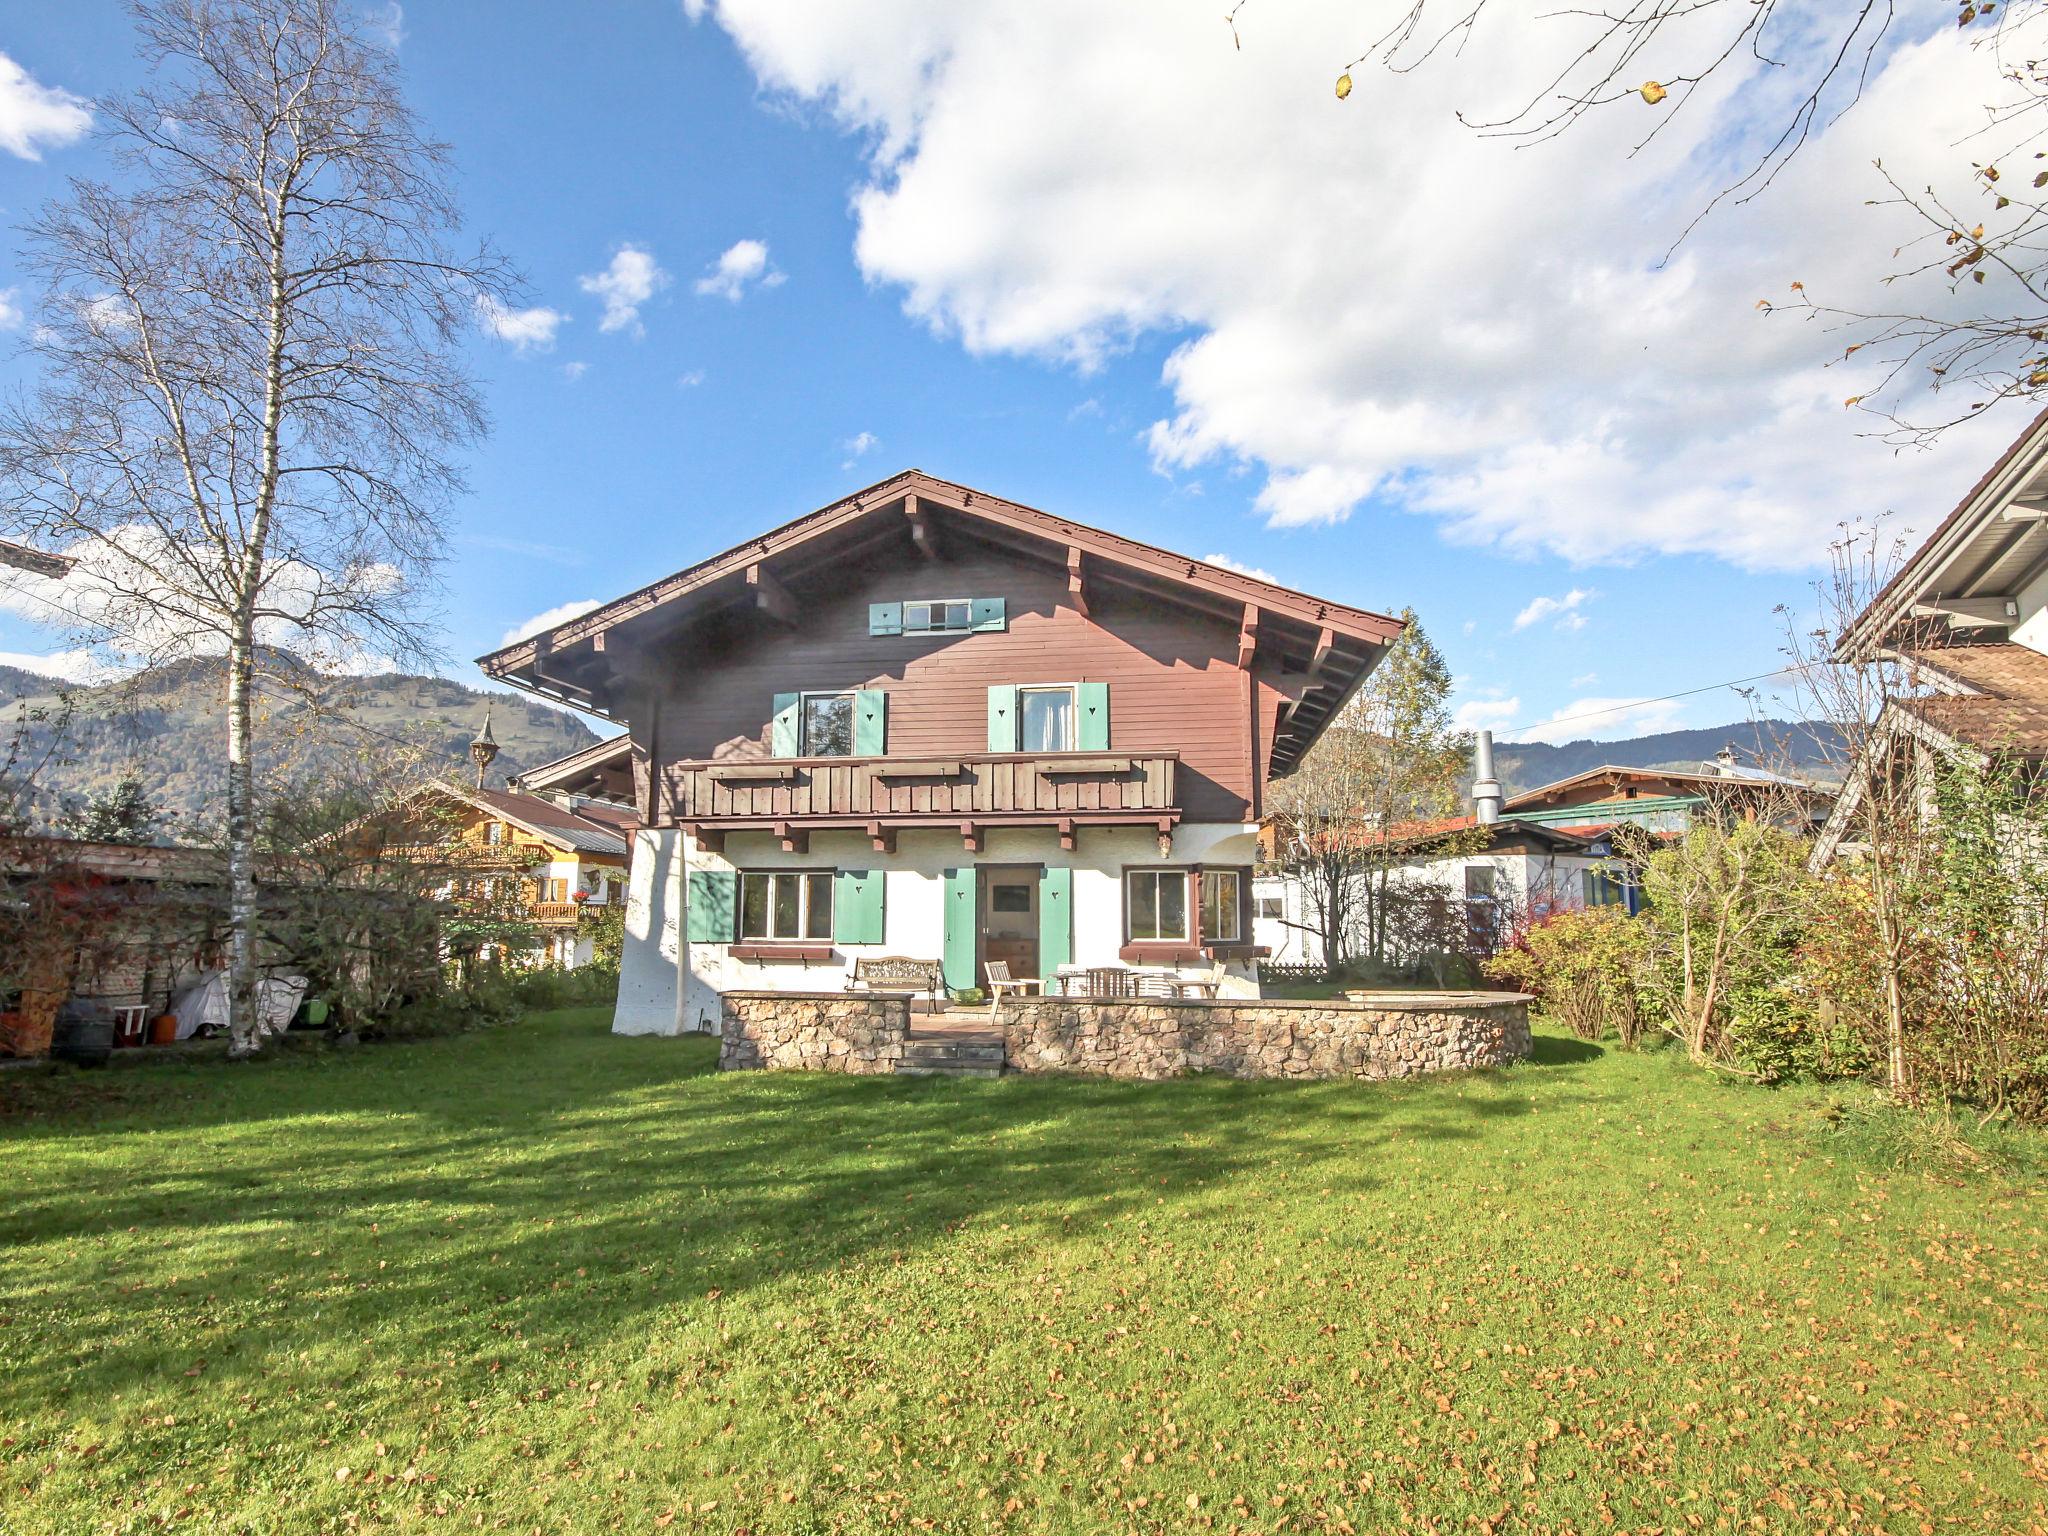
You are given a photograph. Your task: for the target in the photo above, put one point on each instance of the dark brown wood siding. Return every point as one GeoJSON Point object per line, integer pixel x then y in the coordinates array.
{"type": "Point", "coordinates": [1173, 680]}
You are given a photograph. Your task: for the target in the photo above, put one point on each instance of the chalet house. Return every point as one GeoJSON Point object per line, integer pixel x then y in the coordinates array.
{"type": "Point", "coordinates": [1967, 614]}
{"type": "Point", "coordinates": [931, 723]}
{"type": "Point", "coordinates": [567, 853]}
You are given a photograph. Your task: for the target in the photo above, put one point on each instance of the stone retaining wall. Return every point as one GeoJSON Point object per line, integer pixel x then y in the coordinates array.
{"type": "Point", "coordinates": [1388, 1035]}
{"type": "Point", "coordinates": [1154, 1037]}
{"type": "Point", "coordinates": [812, 1031]}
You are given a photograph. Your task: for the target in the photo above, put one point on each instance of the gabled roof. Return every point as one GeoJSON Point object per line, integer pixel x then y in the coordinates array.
{"type": "Point", "coordinates": [576, 831]}
{"type": "Point", "coordinates": [1977, 555]}
{"type": "Point", "coordinates": [1664, 781]}
{"type": "Point", "coordinates": [1422, 834]}
{"type": "Point", "coordinates": [1334, 643]}
{"type": "Point", "coordinates": [582, 771]}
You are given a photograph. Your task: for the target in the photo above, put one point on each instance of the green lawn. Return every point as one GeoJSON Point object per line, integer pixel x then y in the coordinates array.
{"type": "Point", "coordinates": [548, 1280]}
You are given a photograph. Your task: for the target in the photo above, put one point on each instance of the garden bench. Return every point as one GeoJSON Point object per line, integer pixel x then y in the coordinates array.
{"type": "Point", "coordinates": [896, 973]}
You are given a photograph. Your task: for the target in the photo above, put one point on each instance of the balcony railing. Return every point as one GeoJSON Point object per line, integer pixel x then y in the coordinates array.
{"type": "Point", "coordinates": [986, 785]}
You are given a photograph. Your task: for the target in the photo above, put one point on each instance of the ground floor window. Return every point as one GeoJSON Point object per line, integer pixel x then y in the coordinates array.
{"type": "Point", "coordinates": [1156, 904]}
{"type": "Point", "coordinates": [1603, 890]}
{"type": "Point", "coordinates": [1220, 895]}
{"type": "Point", "coordinates": [786, 904]}
{"type": "Point", "coordinates": [1479, 882]}
{"type": "Point", "coordinates": [1272, 908]}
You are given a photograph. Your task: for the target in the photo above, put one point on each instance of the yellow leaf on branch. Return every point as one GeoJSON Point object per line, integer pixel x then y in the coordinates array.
{"type": "Point", "coordinates": [1652, 92]}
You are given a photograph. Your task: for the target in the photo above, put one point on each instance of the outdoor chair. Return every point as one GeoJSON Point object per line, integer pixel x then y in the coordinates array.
{"type": "Point", "coordinates": [1111, 981]}
{"type": "Point", "coordinates": [1001, 981]}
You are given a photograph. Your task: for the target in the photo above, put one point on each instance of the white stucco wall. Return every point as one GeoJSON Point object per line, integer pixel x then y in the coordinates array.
{"type": "Point", "coordinates": [913, 907]}
{"type": "Point", "coordinates": [1558, 879]}
{"type": "Point", "coordinates": [651, 998]}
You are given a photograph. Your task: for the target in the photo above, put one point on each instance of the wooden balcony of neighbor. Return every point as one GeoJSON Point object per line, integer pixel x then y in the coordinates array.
{"type": "Point", "coordinates": [883, 794]}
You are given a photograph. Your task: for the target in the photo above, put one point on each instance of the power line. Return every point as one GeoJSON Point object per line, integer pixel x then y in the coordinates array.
{"type": "Point", "coordinates": [1662, 698]}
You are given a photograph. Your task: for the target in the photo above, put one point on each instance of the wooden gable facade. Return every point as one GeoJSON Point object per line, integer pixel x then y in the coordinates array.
{"type": "Point", "coordinates": [924, 654]}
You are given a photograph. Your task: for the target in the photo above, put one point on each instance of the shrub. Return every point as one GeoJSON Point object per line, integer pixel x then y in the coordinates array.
{"type": "Point", "coordinates": [1584, 969]}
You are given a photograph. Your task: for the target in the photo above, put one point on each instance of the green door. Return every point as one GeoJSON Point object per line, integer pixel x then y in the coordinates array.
{"type": "Point", "coordinates": [1055, 920]}
{"type": "Point", "coordinates": [962, 925]}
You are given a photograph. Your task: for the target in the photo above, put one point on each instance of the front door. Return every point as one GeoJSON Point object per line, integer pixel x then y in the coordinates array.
{"type": "Point", "coordinates": [1009, 919]}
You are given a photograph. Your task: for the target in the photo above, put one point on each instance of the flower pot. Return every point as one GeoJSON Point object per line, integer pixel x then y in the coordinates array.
{"type": "Point", "coordinates": [163, 1029]}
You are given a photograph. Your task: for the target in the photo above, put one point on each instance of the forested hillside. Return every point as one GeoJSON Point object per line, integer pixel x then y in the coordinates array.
{"type": "Point", "coordinates": [169, 724]}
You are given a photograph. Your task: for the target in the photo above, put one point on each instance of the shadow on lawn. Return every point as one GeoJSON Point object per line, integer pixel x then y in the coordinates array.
{"type": "Point", "coordinates": [573, 1186]}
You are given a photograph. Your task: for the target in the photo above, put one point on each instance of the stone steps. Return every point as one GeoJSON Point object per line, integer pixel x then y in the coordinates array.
{"type": "Point", "coordinates": [951, 1055]}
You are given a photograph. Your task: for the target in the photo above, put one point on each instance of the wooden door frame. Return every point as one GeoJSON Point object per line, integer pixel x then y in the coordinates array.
{"type": "Point", "coordinates": [982, 885]}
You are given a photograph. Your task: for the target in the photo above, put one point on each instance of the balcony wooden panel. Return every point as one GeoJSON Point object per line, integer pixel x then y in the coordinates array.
{"type": "Point", "coordinates": [990, 785]}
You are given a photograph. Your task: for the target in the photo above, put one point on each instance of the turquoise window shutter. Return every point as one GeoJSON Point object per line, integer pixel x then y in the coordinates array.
{"type": "Point", "coordinates": [785, 738]}
{"type": "Point", "coordinates": [1055, 919]}
{"type": "Point", "coordinates": [885, 618]}
{"type": "Point", "coordinates": [1092, 701]}
{"type": "Point", "coordinates": [990, 613]}
{"type": "Point", "coordinates": [870, 723]}
{"type": "Point", "coordinates": [857, 899]}
{"type": "Point", "coordinates": [711, 913]}
{"type": "Point", "coordinates": [1002, 717]}
{"type": "Point", "coordinates": [963, 921]}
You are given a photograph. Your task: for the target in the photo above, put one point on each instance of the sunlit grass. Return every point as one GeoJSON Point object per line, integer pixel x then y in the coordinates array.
{"type": "Point", "coordinates": [548, 1279]}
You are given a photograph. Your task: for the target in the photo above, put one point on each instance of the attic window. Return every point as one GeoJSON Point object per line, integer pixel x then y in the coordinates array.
{"type": "Point", "coordinates": [940, 617]}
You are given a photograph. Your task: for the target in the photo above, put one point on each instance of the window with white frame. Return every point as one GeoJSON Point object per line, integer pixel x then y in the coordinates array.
{"type": "Point", "coordinates": [1479, 882]}
{"type": "Point", "coordinates": [1156, 904]}
{"type": "Point", "coordinates": [786, 904]}
{"type": "Point", "coordinates": [827, 725]}
{"type": "Point", "coordinates": [1045, 719]}
{"type": "Point", "coordinates": [1272, 908]}
{"type": "Point", "coordinates": [939, 617]}
{"type": "Point", "coordinates": [1221, 889]}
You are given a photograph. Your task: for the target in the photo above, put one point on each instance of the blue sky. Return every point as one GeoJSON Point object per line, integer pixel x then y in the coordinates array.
{"type": "Point", "coordinates": [938, 290]}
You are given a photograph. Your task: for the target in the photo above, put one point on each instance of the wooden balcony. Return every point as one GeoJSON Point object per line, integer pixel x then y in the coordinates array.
{"type": "Point", "coordinates": [883, 794]}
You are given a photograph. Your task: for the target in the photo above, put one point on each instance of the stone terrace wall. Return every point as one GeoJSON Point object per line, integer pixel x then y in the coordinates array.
{"type": "Point", "coordinates": [812, 1031]}
{"type": "Point", "coordinates": [1390, 1036]}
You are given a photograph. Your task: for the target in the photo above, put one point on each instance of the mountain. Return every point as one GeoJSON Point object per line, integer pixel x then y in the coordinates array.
{"type": "Point", "coordinates": [170, 723]}
{"type": "Point", "coordinates": [1784, 745]}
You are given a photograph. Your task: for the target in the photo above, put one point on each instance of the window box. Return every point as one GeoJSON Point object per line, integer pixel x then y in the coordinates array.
{"type": "Point", "coordinates": [752, 773]}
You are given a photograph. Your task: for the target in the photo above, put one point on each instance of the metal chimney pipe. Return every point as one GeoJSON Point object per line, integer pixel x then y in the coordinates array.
{"type": "Point", "coordinates": [1486, 795]}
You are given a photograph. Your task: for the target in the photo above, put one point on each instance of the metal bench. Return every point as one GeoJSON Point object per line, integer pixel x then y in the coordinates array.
{"type": "Point", "coordinates": [896, 973]}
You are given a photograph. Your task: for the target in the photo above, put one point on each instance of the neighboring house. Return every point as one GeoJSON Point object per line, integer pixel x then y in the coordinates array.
{"type": "Point", "coordinates": [1666, 801]}
{"type": "Point", "coordinates": [928, 722]}
{"type": "Point", "coordinates": [1505, 873]}
{"type": "Point", "coordinates": [1968, 615]}
{"type": "Point", "coordinates": [569, 853]}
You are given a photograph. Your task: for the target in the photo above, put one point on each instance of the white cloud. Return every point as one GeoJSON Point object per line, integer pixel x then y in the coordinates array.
{"type": "Point", "coordinates": [1485, 714]}
{"type": "Point", "coordinates": [121, 611]}
{"type": "Point", "coordinates": [1586, 680]}
{"type": "Point", "coordinates": [858, 447]}
{"type": "Point", "coordinates": [386, 23]}
{"type": "Point", "coordinates": [630, 281]}
{"type": "Point", "coordinates": [1241, 568]}
{"type": "Point", "coordinates": [1378, 303]}
{"type": "Point", "coordinates": [691, 379]}
{"type": "Point", "coordinates": [574, 371]}
{"type": "Point", "coordinates": [11, 314]}
{"type": "Point", "coordinates": [744, 262]}
{"type": "Point", "coordinates": [34, 117]}
{"type": "Point", "coordinates": [1598, 719]}
{"type": "Point", "coordinates": [560, 614]}
{"type": "Point", "coordinates": [524, 330]}
{"type": "Point", "coordinates": [1565, 610]}
{"type": "Point", "coordinates": [77, 666]}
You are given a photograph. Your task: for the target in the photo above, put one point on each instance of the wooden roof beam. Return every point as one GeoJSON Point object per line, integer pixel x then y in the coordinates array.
{"type": "Point", "coordinates": [770, 596]}
{"type": "Point", "coordinates": [924, 533]}
{"type": "Point", "coordinates": [1965, 611]}
{"type": "Point", "coordinates": [1077, 581]}
{"type": "Point", "coordinates": [1248, 637]}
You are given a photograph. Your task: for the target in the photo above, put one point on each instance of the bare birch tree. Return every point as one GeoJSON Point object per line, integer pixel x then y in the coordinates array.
{"type": "Point", "coordinates": [250, 388]}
